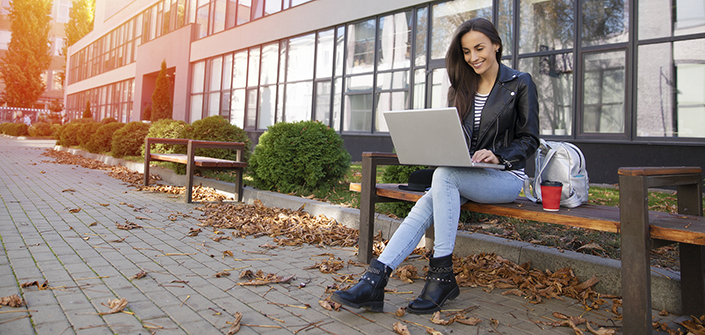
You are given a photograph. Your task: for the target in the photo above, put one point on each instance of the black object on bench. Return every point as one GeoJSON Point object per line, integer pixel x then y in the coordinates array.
{"type": "Point", "coordinates": [192, 161]}
{"type": "Point", "coordinates": [637, 225]}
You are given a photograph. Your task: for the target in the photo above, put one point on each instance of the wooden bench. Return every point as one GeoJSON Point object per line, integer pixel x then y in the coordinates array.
{"type": "Point", "coordinates": [193, 162]}
{"type": "Point", "coordinates": [640, 228]}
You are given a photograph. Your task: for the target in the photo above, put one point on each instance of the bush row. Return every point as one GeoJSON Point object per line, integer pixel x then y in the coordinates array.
{"type": "Point", "coordinates": [290, 157]}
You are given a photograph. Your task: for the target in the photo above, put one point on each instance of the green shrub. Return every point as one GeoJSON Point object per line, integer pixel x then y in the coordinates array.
{"type": "Point", "coordinates": [165, 128]}
{"type": "Point", "coordinates": [55, 128]}
{"type": "Point", "coordinates": [15, 129]}
{"type": "Point", "coordinates": [395, 174]}
{"type": "Point", "coordinates": [40, 129]}
{"type": "Point", "coordinates": [108, 120]}
{"type": "Point", "coordinates": [69, 134]}
{"type": "Point", "coordinates": [213, 128]}
{"type": "Point", "coordinates": [300, 156]}
{"type": "Point", "coordinates": [85, 133]}
{"type": "Point", "coordinates": [102, 139]}
{"type": "Point", "coordinates": [3, 127]}
{"type": "Point", "coordinates": [128, 140]}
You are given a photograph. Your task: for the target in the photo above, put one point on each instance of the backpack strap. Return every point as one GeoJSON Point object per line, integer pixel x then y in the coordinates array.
{"type": "Point", "coordinates": [534, 193]}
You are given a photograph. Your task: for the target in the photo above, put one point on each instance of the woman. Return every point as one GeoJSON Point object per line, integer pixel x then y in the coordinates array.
{"type": "Point", "coordinates": [499, 109]}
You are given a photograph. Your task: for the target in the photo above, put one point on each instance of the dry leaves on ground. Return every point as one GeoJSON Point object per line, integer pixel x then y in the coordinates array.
{"type": "Point", "coordinates": [127, 226]}
{"type": "Point", "coordinates": [116, 306]}
{"type": "Point", "coordinates": [406, 273]}
{"type": "Point", "coordinates": [12, 301]}
{"type": "Point", "coordinates": [328, 266]}
{"type": "Point", "coordinates": [139, 275]}
{"type": "Point", "coordinates": [287, 227]}
{"type": "Point", "coordinates": [494, 272]}
{"type": "Point", "coordinates": [260, 278]}
{"type": "Point", "coordinates": [330, 305]}
{"type": "Point", "coordinates": [43, 286]}
{"type": "Point", "coordinates": [401, 329]}
{"type": "Point", "coordinates": [236, 324]}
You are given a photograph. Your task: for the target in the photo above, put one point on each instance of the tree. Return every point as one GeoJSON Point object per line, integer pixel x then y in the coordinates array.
{"type": "Point", "coordinates": [161, 98]}
{"type": "Point", "coordinates": [80, 23]}
{"type": "Point", "coordinates": [87, 112]}
{"type": "Point", "coordinates": [28, 53]}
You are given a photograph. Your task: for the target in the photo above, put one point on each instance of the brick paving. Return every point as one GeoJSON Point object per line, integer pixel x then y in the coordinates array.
{"type": "Point", "coordinates": [45, 237]}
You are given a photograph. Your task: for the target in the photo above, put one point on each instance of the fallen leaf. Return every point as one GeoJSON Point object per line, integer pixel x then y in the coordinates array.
{"type": "Point", "coordinates": [329, 305]}
{"type": "Point", "coordinates": [228, 253]}
{"type": "Point", "coordinates": [104, 205]}
{"type": "Point", "coordinates": [436, 318]}
{"type": "Point", "coordinates": [139, 275]}
{"type": "Point", "coordinates": [406, 273]}
{"type": "Point", "coordinates": [127, 226]}
{"type": "Point", "coordinates": [401, 329]}
{"type": "Point", "coordinates": [601, 331]}
{"type": "Point", "coordinates": [93, 224]}
{"type": "Point", "coordinates": [222, 274]}
{"type": "Point", "coordinates": [75, 210]}
{"type": "Point", "coordinates": [194, 231]}
{"type": "Point", "coordinates": [401, 311]}
{"type": "Point", "coordinates": [68, 190]}
{"type": "Point", "coordinates": [471, 321]}
{"type": "Point", "coordinates": [36, 283]}
{"type": "Point", "coordinates": [12, 301]}
{"type": "Point", "coordinates": [236, 324]}
{"type": "Point", "coordinates": [116, 305]}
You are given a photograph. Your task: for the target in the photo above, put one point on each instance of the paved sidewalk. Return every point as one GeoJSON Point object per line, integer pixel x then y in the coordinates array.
{"type": "Point", "coordinates": [45, 237]}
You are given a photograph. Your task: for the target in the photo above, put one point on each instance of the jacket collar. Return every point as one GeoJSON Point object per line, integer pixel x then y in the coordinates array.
{"type": "Point", "coordinates": [506, 73]}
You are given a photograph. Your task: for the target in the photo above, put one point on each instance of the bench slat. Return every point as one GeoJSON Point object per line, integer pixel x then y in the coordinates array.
{"type": "Point", "coordinates": [200, 161]}
{"type": "Point", "coordinates": [664, 226]}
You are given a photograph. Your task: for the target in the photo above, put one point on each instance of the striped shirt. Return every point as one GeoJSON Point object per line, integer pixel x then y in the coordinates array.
{"type": "Point", "coordinates": [480, 101]}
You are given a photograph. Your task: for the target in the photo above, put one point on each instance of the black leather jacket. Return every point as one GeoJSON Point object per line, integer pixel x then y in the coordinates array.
{"type": "Point", "coordinates": [509, 125]}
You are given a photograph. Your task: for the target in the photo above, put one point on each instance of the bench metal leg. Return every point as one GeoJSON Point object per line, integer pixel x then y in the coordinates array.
{"type": "Point", "coordinates": [692, 257]}
{"type": "Point", "coordinates": [146, 162]}
{"type": "Point", "coordinates": [239, 185]}
{"type": "Point", "coordinates": [190, 153]}
{"type": "Point", "coordinates": [367, 211]}
{"type": "Point", "coordinates": [636, 247]}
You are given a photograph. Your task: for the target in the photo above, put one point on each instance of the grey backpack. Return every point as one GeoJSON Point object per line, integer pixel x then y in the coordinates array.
{"type": "Point", "coordinates": [563, 162]}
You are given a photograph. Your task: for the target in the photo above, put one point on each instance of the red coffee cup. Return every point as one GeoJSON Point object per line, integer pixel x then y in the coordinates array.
{"type": "Point", "coordinates": [551, 195]}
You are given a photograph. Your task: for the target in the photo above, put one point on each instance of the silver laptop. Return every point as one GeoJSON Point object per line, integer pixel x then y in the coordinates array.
{"type": "Point", "coordinates": [432, 137]}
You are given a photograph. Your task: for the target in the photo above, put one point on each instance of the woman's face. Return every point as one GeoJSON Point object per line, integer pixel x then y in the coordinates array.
{"type": "Point", "coordinates": [479, 52]}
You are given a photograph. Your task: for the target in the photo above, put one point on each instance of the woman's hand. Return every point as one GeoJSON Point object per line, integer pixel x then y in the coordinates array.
{"type": "Point", "coordinates": [484, 156]}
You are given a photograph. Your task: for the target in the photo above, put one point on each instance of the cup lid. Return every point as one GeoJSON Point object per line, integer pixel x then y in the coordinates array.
{"type": "Point", "coordinates": [551, 183]}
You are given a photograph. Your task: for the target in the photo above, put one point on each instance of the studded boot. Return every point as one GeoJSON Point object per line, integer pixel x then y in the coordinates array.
{"type": "Point", "coordinates": [440, 286]}
{"type": "Point", "coordinates": [369, 291]}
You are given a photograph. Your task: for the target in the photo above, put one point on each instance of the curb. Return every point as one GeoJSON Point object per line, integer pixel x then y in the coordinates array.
{"type": "Point", "coordinates": [665, 284]}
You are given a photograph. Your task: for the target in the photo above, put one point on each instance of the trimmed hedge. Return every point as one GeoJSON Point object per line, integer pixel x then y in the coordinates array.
{"type": "Point", "coordinates": [40, 129]}
{"type": "Point", "coordinates": [304, 155]}
{"type": "Point", "coordinates": [15, 129]}
{"type": "Point", "coordinates": [102, 139]}
{"type": "Point", "coordinates": [165, 128]}
{"type": "Point", "coordinates": [129, 140]}
{"type": "Point", "coordinates": [85, 133]}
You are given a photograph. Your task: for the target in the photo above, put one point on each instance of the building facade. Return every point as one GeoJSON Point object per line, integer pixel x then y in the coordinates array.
{"type": "Point", "coordinates": [622, 79]}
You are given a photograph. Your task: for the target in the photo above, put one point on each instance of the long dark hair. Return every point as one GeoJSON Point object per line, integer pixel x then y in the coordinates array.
{"type": "Point", "coordinates": [463, 79]}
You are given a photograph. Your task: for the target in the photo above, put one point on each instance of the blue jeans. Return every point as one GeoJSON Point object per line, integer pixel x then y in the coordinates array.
{"type": "Point", "coordinates": [450, 188]}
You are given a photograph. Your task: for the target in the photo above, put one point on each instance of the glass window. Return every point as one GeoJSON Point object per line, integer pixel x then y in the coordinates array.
{"type": "Point", "coordinates": [419, 89]}
{"type": "Point", "coordinates": [671, 89]}
{"type": "Point", "coordinates": [553, 76]}
{"type": "Point", "coordinates": [603, 92]}
{"type": "Point", "coordinates": [447, 16]}
{"type": "Point", "coordinates": [394, 41]}
{"type": "Point", "coordinates": [251, 108]}
{"type": "Point", "coordinates": [272, 6]}
{"type": "Point", "coordinates": [358, 112]}
{"type": "Point", "coordinates": [546, 25]}
{"type": "Point", "coordinates": [323, 91]}
{"type": "Point", "coordinates": [324, 54]}
{"type": "Point", "coordinates": [605, 22]}
{"type": "Point", "coordinates": [227, 71]}
{"type": "Point", "coordinates": [299, 101]}
{"type": "Point", "coordinates": [387, 101]}
{"type": "Point", "coordinates": [270, 61]}
{"type": "Point", "coordinates": [658, 18]}
{"type": "Point", "coordinates": [240, 69]}
{"type": "Point", "coordinates": [196, 107]}
{"type": "Point", "coordinates": [258, 8]}
{"type": "Point", "coordinates": [253, 78]}
{"type": "Point", "coordinates": [337, 99]}
{"type": "Point", "coordinates": [339, 50]}
{"type": "Point", "coordinates": [283, 47]}
{"type": "Point", "coordinates": [216, 72]}
{"type": "Point", "coordinates": [505, 26]}
{"type": "Point", "coordinates": [243, 11]}
{"type": "Point", "coordinates": [421, 36]}
{"type": "Point", "coordinates": [237, 108]}
{"type": "Point", "coordinates": [439, 88]}
{"type": "Point", "coordinates": [361, 47]}
{"type": "Point", "coordinates": [219, 16]}
{"type": "Point", "coordinates": [231, 17]}
{"type": "Point", "coordinates": [267, 107]}
{"type": "Point", "coordinates": [393, 80]}
{"type": "Point", "coordinates": [214, 104]}
{"type": "Point", "coordinates": [300, 62]}
{"type": "Point", "coordinates": [225, 105]}
{"type": "Point", "coordinates": [198, 77]}
{"type": "Point", "coordinates": [202, 21]}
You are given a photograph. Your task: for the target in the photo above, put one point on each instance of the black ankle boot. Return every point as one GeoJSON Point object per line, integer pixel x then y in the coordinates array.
{"type": "Point", "coordinates": [369, 291]}
{"type": "Point", "coordinates": [440, 286]}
